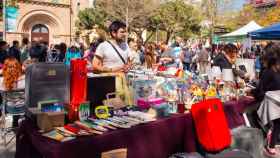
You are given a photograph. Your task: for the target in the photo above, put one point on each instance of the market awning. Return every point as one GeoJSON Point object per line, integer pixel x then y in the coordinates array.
{"type": "Point", "coordinates": [242, 32]}
{"type": "Point", "coordinates": [269, 33]}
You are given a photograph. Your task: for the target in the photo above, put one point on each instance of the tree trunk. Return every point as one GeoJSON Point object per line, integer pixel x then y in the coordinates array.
{"type": "Point", "coordinates": [168, 36]}
{"type": "Point", "coordinates": [139, 34]}
{"type": "Point", "coordinates": [149, 37]}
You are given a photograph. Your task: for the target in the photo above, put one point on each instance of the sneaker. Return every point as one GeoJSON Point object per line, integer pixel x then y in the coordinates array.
{"type": "Point", "coordinates": [271, 152]}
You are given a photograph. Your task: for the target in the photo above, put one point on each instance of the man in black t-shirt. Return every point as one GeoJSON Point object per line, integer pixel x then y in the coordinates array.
{"type": "Point", "coordinates": [14, 51]}
{"type": "Point", "coordinates": [3, 51]}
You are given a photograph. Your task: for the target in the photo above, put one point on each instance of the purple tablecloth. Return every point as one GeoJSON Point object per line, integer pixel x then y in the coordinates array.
{"type": "Point", "coordinates": [157, 139]}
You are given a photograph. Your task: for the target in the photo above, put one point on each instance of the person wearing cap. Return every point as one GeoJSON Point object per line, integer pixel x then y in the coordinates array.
{"type": "Point", "coordinates": [113, 55]}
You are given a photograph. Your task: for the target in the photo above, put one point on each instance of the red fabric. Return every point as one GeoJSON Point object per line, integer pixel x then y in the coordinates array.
{"type": "Point", "coordinates": [78, 81]}
{"type": "Point", "coordinates": [72, 129]}
{"type": "Point", "coordinates": [162, 68]}
{"type": "Point", "coordinates": [78, 86]}
{"type": "Point", "coordinates": [211, 125]}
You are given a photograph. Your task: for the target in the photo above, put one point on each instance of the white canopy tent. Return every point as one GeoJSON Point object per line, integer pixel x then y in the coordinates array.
{"type": "Point", "coordinates": [243, 31]}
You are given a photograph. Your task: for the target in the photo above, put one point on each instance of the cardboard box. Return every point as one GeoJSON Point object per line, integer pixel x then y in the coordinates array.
{"type": "Point", "coordinates": [118, 153]}
{"type": "Point", "coordinates": [46, 121]}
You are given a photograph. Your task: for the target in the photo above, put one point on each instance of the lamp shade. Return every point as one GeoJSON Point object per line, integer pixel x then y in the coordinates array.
{"type": "Point", "coordinates": [227, 75]}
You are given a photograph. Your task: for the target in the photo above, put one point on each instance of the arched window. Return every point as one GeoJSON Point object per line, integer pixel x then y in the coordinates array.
{"type": "Point", "coordinates": [40, 28]}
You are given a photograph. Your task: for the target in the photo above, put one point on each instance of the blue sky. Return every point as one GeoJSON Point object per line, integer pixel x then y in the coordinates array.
{"type": "Point", "coordinates": [233, 5]}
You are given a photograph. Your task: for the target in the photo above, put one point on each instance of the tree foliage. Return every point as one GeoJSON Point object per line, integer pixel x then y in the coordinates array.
{"type": "Point", "coordinates": [248, 13]}
{"type": "Point", "coordinates": [139, 12]}
{"type": "Point", "coordinates": [90, 17]}
{"type": "Point", "coordinates": [236, 19]}
{"type": "Point", "coordinates": [270, 17]}
{"type": "Point", "coordinates": [176, 17]}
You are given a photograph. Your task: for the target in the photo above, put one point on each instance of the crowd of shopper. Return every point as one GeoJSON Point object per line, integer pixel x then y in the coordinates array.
{"type": "Point", "coordinates": [119, 54]}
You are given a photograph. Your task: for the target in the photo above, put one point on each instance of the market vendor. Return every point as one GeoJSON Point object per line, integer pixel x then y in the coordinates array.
{"type": "Point", "coordinates": [113, 55]}
{"type": "Point", "coordinates": [227, 59]}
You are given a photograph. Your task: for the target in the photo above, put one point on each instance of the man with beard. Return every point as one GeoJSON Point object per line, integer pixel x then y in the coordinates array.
{"type": "Point", "coordinates": [113, 55]}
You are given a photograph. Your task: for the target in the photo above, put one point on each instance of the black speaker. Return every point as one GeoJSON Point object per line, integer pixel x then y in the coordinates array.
{"type": "Point", "coordinates": [47, 81]}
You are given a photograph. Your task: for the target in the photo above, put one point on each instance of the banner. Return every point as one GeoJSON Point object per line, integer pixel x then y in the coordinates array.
{"type": "Point", "coordinates": [11, 19]}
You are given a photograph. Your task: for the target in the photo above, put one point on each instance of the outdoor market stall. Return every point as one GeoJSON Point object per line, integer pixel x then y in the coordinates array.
{"type": "Point", "coordinates": [149, 114]}
{"type": "Point", "coordinates": [156, 139]}
{"type": "Point", "coordinates": [241, 33]}
{"type": "Point", "coordinates": [268, 33]}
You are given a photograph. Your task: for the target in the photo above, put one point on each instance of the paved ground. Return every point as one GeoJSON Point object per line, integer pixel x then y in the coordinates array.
{"type": "Point", "coordinates": [9, 151]}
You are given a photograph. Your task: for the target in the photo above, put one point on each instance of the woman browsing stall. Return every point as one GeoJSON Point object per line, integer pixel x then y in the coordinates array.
{"type": "Point", "coordinates": [270, 81]}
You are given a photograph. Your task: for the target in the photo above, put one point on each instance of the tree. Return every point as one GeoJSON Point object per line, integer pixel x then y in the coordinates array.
{"type": "Point", "coordinates": [213, 13]}
{"type": "Point", "coordinates": [247, 14]}
{"type": "Point", "coordinates": [136, 13]}
{"type": "Point", "coordinates": [176, 17]}
{"type": "Point", "coordinates": [236, 19]}
{"type": "Point", "coordinates": [270, 17]}
{"type": "Point", "coordinates": [90, 17]}
{"type": "Point", "coordinates": [228, 20]}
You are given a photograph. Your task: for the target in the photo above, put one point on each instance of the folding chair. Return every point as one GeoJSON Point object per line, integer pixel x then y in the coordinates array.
{"type": "Point", "coordinates": [12, 105]}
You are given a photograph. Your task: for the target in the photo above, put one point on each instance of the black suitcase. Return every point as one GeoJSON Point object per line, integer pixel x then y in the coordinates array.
{"type": "Point", "coordinates": [47, 81]}
{"type": "Point", "coordinates": [186, 155]}
{"type": "Point", "coordinates": [230, 154]}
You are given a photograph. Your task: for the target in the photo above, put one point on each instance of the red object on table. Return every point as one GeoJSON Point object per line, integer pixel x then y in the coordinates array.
{"type": "Point", "coordinates": [181, 108]}
{"type": "Point", "coordinates": [72, 129]}
{"type": "Point", "coordinates": [162, 68]}
{"type": "Point", "coordinates": [211, 125]}
{"type": "Point", "coordinates": [78, 86]}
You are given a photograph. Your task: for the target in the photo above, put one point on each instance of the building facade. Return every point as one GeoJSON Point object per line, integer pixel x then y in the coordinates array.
{"type": "Point", "coordinates": [50, 21]}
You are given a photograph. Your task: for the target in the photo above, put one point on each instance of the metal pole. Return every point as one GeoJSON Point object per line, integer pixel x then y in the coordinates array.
{"type": "Point", "coordinates": [127, 24]}
{"type": "Point", "coordinates": [127, 3]}
{"type": "Point", "coordinates": [157, 34]}
{"type": "Point", "coordinates": [70, 21]}
{"type": "Point", "coordinates": [4, 20]}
